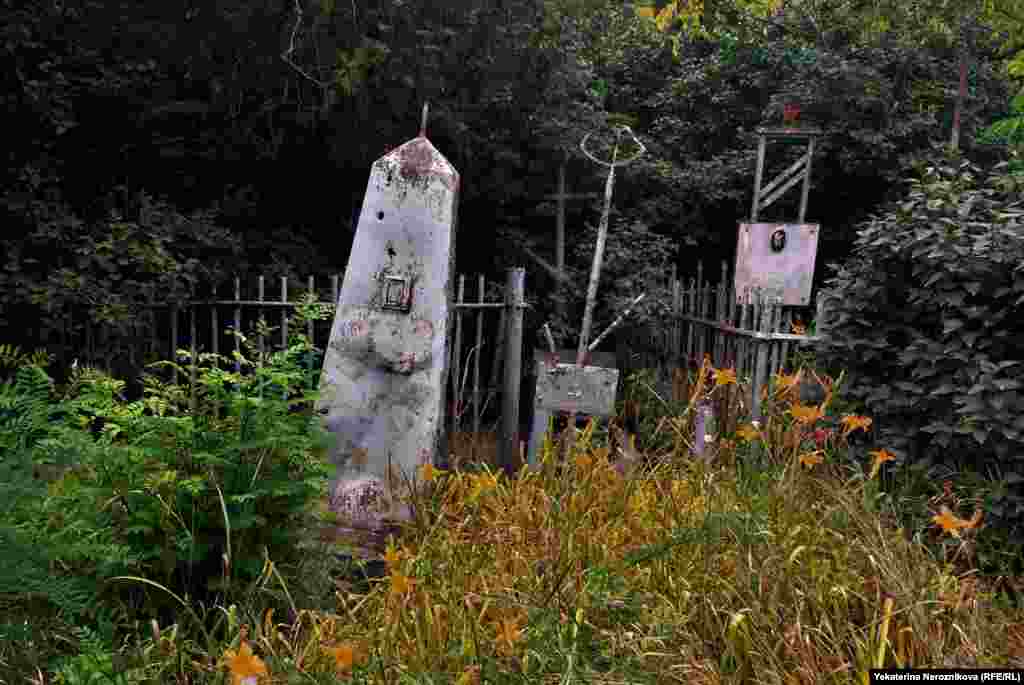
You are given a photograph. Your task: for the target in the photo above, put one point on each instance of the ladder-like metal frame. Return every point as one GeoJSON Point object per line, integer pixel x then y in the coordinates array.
{"type": "Point", "coordinates": [799, 170]}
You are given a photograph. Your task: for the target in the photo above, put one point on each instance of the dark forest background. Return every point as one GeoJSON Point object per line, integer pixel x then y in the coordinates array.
{"type": "Point", "coordinates": [153, 149]}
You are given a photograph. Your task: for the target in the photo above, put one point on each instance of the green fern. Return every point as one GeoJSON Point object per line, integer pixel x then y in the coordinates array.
{"type": "Point", "coordinates": [11, 356]}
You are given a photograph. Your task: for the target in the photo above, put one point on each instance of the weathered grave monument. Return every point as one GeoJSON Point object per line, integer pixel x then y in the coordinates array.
{"type": "Point", "coordinates": [776, 260]}
{"type": "Point", "coordinates": [579, 388]}
{"type": "Point", "coordinates": [385, 369]}
{"type": "Point", "coordinates": [779, 258]}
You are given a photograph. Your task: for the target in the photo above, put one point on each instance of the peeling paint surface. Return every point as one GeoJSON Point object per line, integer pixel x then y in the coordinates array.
{"type": "Point", "coordinates": [385, 368]}
{"type": "Point", "coordinates": [788, 271]}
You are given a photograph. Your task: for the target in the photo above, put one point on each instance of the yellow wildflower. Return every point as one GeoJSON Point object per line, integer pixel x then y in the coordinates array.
{"type": "Point", "coordinates": [724, 377]}
{"type": "Point", "coordinates": [245, 667]}
{"type": "Point", "coordinates": [881, 456]}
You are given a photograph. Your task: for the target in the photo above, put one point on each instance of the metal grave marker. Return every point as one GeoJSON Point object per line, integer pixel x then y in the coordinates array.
{"type": "Point", "coordinates": [385, 369]}
{"type": "Point", "coordinates": [779, 257]}
{"type": "Point", "coordinates": [570, 388]}
{"type": "Point", "coordinates": [578, 388]}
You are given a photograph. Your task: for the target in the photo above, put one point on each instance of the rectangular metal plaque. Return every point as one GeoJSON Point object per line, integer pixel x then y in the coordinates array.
{"type": "Point", "coordinates": [590, 390]}
{"type": "Point", "coordinates": [778, 258]}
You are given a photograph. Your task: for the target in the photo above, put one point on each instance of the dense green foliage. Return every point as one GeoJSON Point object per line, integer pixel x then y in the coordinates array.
{"type": "Point", "coordinates": [195, 500]}
{"type": "Point", "coordinates": [926, 317]}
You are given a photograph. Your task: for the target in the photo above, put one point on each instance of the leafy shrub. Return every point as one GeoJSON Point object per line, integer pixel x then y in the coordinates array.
{"type": "Point", "coordinates": [926, 317]}
{"type": "Point", "coordinates": [192, 500]}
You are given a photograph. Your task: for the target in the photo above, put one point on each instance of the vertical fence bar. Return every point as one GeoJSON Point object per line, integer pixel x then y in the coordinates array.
{"type": "Point", "coordinates": [174, 342]}
{"type": "Point", "coordinates": [770, 344]}
{"type": "Point", "coordinates": [760, 317]}
{"type": "Point", "coordinates": [88, 340]}
{"type": "Point", "coordinates": [700, 313]}
{"type": "Point", "coordinates": [514, 305]}
{"type": "Point", "coordinates": [259, 326]}
{"type": "Point", "coordinates": [723, 337]}
{"type": "Point", "coordinates": [730, 315]}
{"type": "Point", "coordinates": [284, 313]}
{"type": "Point", "coordinates": [480, 284]}
{"type": "Point", "coordinates": [284, 325]}
{"type": "Point", "coordinates": [787, 327]}
{"type": "Point", "coordinates": [309, 334]}
{"type": "Point", "coordinates": [238, 324]}
{"type": "Point", "coordinates": [215, 340]}
{"type": "Point", "coordinates": [820, 324]}
{"type": "Point", "coordinates": [457, 356]}
{"type": "Point", "coordinates": [691, 309]}
{"type": "Point", "coordinates": [677, 324]}
{"type": "Point", "coordinates": [499, 356]}
{"type": "Point", "coordinates": [152, 328]}
{"type": "Point", "coordinates": [193, 350]}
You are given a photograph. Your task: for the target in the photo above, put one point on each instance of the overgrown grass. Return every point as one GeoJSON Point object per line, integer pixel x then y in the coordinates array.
{"type": "Point", "coordinates": [798, 552]}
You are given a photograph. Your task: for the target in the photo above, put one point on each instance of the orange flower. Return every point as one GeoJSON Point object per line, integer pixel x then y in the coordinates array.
{"type": "Point", "coordinates": [392, 557]}
{"type": "Point", "coordinates": [429, 473]}
{"type": "Point", "coordinates": [583, 461]}
{"type": "Point", "coordinates": [811, 458]}
{"type": "Point", "coordinates": [245, 667]}
{"type": "Point", "coordinates": [483, 482]}
{"type": "Point", "coordinates": [747, 433]}
{"type": "Point", "coordinates": [724, 377]}
{"type": "Point", "coordinates": [400, 583]}
{"type": "Point", "coordinates": [805, 414]}
{"type": "Point", "coordinates": [852, 422]}
{"type": "Point", "coordinates": [787, 383]}
{"type": "Point", "coordinates": [508, 634]}
{"type": "Point", "coordinates": [948, 522]}
{"type": "Point", "coordinates": [798, 328]}
{"type": "Point", "coordinates": [345, 656]}
{"type": "Point", "coordinates": [881, 456]}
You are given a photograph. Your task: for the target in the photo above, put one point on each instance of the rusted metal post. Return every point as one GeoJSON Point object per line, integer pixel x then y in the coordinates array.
{"type": "Point", "coordinates": [758, 175]}
{"type": "Point", "coordinates": [515, 289]}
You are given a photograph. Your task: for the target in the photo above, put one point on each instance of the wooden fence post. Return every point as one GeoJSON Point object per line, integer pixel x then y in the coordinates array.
{"type": "Point", "coordinates": [514, 305]}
